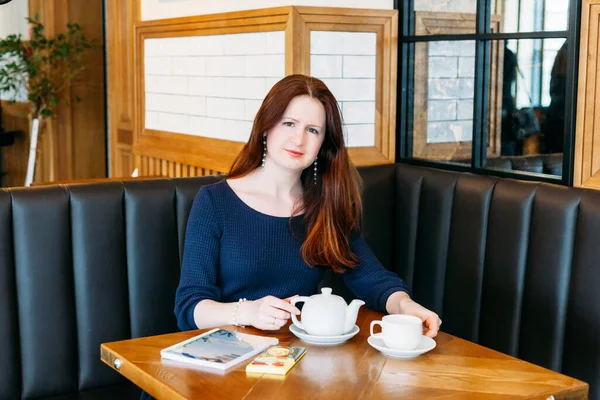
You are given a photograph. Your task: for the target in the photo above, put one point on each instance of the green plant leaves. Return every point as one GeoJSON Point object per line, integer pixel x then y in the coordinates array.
{"type": "Point", "coordinates": [43, 65]}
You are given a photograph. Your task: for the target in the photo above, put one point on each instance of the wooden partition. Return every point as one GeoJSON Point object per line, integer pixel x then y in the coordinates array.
{"type": "Point", "coordinates": [121, 17]}
{"type": "Point", "coordinates": [587, 139]}
{"type": "Point", "coordinates": [73, 145]}
{"type": "Point", "coordinates": [160, 167]}
{"type": "Point", "coordinates": [164, 152]}
{"type": "Point", "coordinates": [15, 118]}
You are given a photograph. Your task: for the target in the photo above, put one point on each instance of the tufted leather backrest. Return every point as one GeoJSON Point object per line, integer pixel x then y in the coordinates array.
{"type": "Point", "coordinates": [511, 265]}
{"type": "Point", "coordinates": [82, 265]}
{"type": "Point", "coordinates": [508, 264]}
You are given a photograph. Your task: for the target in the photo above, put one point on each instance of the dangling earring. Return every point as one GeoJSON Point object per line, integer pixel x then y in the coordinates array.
{"type": "Point", "coordinates": [264, 150]}
{"type": "Point", "coordinates": [315, 175]}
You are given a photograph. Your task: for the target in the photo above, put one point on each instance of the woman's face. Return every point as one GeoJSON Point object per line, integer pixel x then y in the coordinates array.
{"type": "Point", "coordinates": [294, 142]}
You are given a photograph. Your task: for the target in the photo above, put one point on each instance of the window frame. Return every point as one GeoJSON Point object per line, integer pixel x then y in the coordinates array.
{"type": "Point", "coordinates": [483, 38]}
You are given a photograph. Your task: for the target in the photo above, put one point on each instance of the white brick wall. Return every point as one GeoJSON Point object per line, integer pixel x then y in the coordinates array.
{"type": "Point", "coordinates": [346, 62]}
{"type": "Point", "coordinates": [465, 110]}
{"type": "Point", "coordinates": [451, 72]}
{"type": "Point", "coordinates": [186, 66]}
{"type": "Point", "coordinates": [343, 43]}
{"type": "Point", "coordinates": [326, 66]}
{"type": "Point", "coordinates": [175, 104]}
{"type": "Point", "coordinates": [456, 6]}
{"type": "Point", "coordinates": [158, 9]}
{"type": "Point", "coordinates": [210, 86]}
{"type": "Point", "coordinates": [217, 107]}
{"type": "Point", "coordinates": [443, 67]}
{"type": "Point", "coordinates": [359, 112]}
{"type": "Point", "coordinates": [453, 131]}
{"type": "Point", "coordinates": [441, 110]}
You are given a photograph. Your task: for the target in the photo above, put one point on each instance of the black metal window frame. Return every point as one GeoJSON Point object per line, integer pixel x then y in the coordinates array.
{"type": "Point", "coordinates": [482, 38]}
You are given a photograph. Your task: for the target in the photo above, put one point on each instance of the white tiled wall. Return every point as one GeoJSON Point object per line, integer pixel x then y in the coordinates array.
{"type": "Point", "coordinates": [450, 87]}
{"type": "Point", "coordinates": [346, 61]}
{"type": "Point", "coordinates": [158, 9]}
{"type": "Point", "coordinates": [456, 6]}
{"type": "Point", "coordinates": [210, 86]}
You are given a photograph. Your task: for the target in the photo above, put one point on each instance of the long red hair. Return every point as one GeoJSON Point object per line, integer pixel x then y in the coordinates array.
{"type": "Point", "coordinates": [332, 207]}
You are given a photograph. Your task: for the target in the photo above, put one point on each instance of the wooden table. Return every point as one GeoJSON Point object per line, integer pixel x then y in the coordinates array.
{"type": "Point", "coordinates": [455, 369]}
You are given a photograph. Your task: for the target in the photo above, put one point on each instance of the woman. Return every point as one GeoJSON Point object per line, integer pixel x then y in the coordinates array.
{"type": "Point", "coordinates": [289, 208]}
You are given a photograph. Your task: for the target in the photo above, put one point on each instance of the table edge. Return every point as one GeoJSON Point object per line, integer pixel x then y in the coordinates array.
{"type": "Point", "coordinates": [108, 356]}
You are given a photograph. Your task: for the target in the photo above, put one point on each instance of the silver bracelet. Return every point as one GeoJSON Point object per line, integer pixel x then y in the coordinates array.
{"type": "Point", "coordinates": [235, 310]}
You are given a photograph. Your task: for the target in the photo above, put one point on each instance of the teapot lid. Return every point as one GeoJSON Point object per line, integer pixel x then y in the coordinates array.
{"type": "Point", "coordinates": [327, 296]}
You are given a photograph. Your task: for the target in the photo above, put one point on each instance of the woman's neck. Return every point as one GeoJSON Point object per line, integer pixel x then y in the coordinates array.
{"type": "Point", "coordinates": [277, 182]}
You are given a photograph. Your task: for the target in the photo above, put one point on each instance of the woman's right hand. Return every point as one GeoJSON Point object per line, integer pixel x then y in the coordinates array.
{"type": "Point", "coordinates": [267, 313]}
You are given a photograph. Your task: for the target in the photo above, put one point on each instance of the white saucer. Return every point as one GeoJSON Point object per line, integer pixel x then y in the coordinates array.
{"type": "Point", "coordinates": [322, 340]}
{"type": "Point", "coordinates": [426, 345]}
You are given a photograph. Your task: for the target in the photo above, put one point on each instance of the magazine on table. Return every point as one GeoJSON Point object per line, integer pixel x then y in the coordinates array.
{"type": "Point", "coordinates": [218, 348]}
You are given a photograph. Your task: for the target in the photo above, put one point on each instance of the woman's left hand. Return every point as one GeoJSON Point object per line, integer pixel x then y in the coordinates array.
{"type": "Point", "coordinates": [431, 321]}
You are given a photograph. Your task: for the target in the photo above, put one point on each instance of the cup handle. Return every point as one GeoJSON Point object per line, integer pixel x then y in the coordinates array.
{"type": "Point", "coordinates": [293, 301]}
{"type": "Point", "coordinates": [376, 335]}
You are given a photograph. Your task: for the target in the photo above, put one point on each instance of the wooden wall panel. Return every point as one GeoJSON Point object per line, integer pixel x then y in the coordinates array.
{"type": "Point", "coordinates": [122, 160]}
{"type": "Point", "coordinates": [384, 23]}
{"type": "Point", "coordinates": [88, 118]}
{"type": "Point", "coordinates": [15, 118]}
{"type": "Point", "coordinates": [587, 138]}
{"type": "Point", "coordinates": [297, 54]}
{"type": "Point", "coordinates": [73, 145]}
{"type": "Point", "coordinates": [120, 22]}
{"type": "Point", "coordinates": [205, 155]}
{"type": "Point", "coordinates": [152, 166]}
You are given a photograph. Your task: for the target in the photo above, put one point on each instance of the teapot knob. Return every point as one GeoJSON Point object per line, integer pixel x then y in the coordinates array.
{"type": "Point", "coordinates": [326, 290]}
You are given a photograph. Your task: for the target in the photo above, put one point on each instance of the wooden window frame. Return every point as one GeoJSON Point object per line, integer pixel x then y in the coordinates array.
{"type": "Point", "coordinates": [297, 22]}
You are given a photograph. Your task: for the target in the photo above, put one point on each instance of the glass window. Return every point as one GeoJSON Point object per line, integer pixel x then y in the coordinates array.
{"type": "Point", "coordinates": [531, 15]}
{"type": "Point", "coordinates": [531, 106]}
{"type": "Point", "coordinates": [434, 17]}
{"type": "Point", "coordinates": [496, 99]}
{"type": "Point", "coordinates": [443, 100]}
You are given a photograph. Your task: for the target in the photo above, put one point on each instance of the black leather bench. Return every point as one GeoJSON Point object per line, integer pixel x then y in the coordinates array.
{"type": "Point", "coordinates": [511, 265]}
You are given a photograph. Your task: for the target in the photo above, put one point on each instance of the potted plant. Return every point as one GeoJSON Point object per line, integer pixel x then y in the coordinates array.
{"type": "Point", "coordinates": [42, 68]}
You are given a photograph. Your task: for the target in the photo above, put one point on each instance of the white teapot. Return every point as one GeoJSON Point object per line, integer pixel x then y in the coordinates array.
{"type": "Point", "coordinates": [326, 314]}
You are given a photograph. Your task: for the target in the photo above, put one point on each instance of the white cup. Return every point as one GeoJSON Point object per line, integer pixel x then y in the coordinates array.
{"type": "Point", "coordinates": [399, 332]}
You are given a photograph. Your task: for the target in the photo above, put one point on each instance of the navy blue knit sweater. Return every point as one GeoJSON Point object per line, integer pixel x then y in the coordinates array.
{"type": "Point", "coordinates": [233, 251]}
